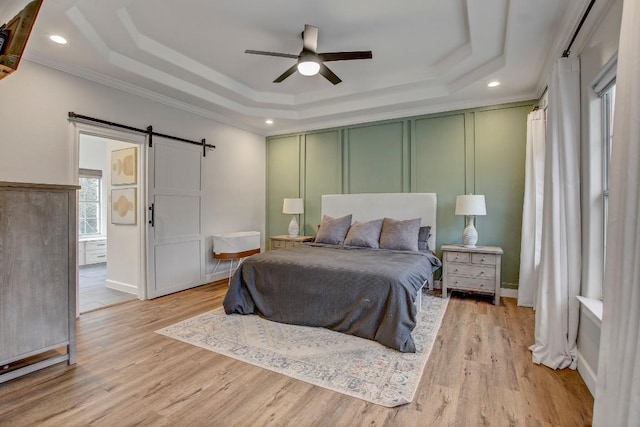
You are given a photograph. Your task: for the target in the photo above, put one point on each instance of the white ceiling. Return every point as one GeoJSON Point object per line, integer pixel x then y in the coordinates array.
{"type": "Point", "coordinates": [428, 55]}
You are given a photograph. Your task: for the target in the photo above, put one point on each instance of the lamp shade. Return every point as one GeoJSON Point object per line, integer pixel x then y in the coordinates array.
{"type": "Point", "coordinates": [293, 206]}
{"type": "Point", "coordinates": [470, 204]}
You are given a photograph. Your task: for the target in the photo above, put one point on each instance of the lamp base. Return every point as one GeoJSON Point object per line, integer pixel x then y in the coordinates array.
{"type": "Point", "coordinates": [469, 235]}
{"type": "Point", "coordinates": [294, 229]}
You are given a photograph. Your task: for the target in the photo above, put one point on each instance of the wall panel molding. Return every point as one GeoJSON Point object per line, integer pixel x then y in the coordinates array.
{"type": "Point", "coordinates": [476, 150]}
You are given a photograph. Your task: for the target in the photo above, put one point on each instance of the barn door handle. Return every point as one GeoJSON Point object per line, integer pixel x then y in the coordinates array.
{"type": "Point", "coordinates": [152, 210]}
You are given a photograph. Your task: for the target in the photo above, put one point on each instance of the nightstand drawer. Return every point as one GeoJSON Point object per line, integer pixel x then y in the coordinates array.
{"type": "Point", "coordinates": [278, 244]}
{"type": "Point", "coordinates": [471, 284]}
{"type": "Point", "coordinates": [292, 244]}
{"type": "Point", "coordinates": [286, 241]}
{"type": "Point", "coordinates": [487, 259]}
{"type": "Point", "coordinates": [457, 257]}
{"type": "Point", "coordinates": [470, 270]}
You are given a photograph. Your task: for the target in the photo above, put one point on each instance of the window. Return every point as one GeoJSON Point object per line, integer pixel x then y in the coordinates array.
{"type": "Point", "coordinates": [608, 97]}
{"type": "Point", "coordinates": [90, 202]}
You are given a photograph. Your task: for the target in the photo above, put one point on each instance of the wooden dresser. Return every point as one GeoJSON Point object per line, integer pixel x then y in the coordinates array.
{"type": "Point", "coordinates": [472, 270]}
{"type": "Point", "coordinates": [38, 237]}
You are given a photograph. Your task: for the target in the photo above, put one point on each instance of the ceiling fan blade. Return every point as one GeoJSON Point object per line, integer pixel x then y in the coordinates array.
{"type": "Point", "coordinates": [329, 75]}
{"type": "Point", "coordinates": [286, 74]}
{"type": "Point", "coordinates": [345, 56]}
{"type": "Point", "coordinates": [310, 38]}
{"type": "Point", "coordinates": [261, 52]}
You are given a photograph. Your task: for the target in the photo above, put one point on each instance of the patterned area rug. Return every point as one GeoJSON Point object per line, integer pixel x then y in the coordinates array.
{"type": "Point", "coordinates": [350, 365]}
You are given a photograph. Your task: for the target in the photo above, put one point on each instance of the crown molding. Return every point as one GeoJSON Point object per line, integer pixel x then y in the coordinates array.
{"type": "Point", "coordinates": [131, 89]}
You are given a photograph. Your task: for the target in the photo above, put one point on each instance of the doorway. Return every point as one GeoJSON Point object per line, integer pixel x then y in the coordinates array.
{"type": "Point", "coordinates": [110, 226]}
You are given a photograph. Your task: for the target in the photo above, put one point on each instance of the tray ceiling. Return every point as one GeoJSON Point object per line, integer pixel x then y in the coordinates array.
{"type": "Point", "coordinates": [428, 55]}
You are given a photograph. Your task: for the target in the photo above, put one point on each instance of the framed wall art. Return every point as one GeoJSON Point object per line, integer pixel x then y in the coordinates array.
{"type": "Point", "coordinates": [123, 206]}
{"type": "Point", "coordinates": [124, 169]}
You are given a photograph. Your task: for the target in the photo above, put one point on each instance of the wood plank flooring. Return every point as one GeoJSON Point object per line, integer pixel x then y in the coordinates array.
{"type": "Point", "coordinates": [479, 374]}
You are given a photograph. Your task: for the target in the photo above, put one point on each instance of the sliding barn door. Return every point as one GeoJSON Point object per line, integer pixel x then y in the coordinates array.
{"type": "Point", "coordinates": [176, 245]}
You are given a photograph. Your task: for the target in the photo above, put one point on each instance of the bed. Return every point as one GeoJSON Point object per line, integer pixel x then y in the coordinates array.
{"type": "Point", "coordinates": [363, 291]}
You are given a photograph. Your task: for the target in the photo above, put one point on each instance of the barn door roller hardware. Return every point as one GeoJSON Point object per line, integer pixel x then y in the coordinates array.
{"type": "Point", "coordinates": [148, 131]}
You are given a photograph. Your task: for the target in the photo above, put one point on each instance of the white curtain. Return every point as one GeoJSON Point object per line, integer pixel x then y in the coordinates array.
{"type": "Point", "coordinates": [532, 208]}
{"type": "Point", "coordinates": [617, 400]}
{"type": "Point", "coordinates": [557, 310]}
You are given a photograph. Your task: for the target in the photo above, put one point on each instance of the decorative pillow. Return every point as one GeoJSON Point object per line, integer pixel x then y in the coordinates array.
{"type": "Point", "coordinates": [333, 230]}
{"type": "Point", "coordinates": [365, 234]}
{"type": "Point", "coordinates": [424, 234]}
{"type": "Point", "coordinates": [400, 235]}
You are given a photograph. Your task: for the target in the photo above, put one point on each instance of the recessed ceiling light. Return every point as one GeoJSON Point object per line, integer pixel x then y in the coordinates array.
{"type": "Point", "coordinates": [494, 84]}
{"type": "Point", "coordinates": [269, 121]}
{"type": "Point", "coordinates": [58, 39]}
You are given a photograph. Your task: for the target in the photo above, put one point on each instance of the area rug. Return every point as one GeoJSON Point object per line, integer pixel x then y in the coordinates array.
{"type": "Point", "coordinates": [343, 363]}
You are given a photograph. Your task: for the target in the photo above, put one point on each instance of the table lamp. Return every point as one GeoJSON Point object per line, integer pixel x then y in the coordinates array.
{"type": "Point", "coordinates": [470, 205]}
{"type": "Point", "coordinates": [293, 207]}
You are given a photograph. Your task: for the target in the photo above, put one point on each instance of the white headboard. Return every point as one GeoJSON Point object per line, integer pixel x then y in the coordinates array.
{"type": "Point", "coordinates": [369, 206]}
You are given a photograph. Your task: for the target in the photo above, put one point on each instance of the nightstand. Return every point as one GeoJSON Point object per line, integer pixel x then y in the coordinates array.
{"type": "Point", "coordinates": [472, 270]}
{"type": "Point", "coordinates": [286, 241]}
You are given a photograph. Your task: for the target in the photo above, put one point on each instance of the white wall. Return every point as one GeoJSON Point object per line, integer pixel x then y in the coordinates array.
{"type": "Point", "coordinates": [123, 241]}
{"type": "Point", "coordinates": [601, 46]}
{"type": "Point", "coordinates": [36, 141]}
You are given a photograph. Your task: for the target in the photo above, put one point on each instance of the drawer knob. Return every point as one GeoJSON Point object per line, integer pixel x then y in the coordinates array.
{"type": "Point", "coordinates": [481, 285]}
{"type": "Point", "coordinates": [455, 271]}
{"type": "Point", "coordinates": [481, 273]}
{"type": "Point", "coordinates": [457, 282]}
{"type": "Point", "coordinates": [483, 258]}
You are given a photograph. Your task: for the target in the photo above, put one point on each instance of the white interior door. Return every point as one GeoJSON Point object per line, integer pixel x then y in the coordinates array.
{"type": "Point", "coordinates": [176, 245]}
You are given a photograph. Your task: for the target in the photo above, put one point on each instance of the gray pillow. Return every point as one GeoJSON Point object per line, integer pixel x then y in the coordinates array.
{"type": "Point", "coordinates": [400, 235]}
{"type": "Point", "coordinates": [333, 230]}
{"type": "Point", "coordinates": [365, 234]}
{"type": "Point", "coordinates": [424, 234]}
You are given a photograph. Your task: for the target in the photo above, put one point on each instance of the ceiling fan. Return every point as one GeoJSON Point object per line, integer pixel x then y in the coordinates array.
{"type": "Point", "coordinates": [310, 62]}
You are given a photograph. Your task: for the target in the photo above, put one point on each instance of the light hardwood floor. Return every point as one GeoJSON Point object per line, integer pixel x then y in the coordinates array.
{"type": "Point", "coordinates": [479, 373]}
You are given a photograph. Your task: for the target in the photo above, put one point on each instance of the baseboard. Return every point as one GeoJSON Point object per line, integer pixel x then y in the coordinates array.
{"type": "Point", "coordinates": [588, 374]}
{"type": "Point", "coordinates": [219, 275]}
{"type": "Point", "coordinates": [122, 287]}
{"type": "Point", "coordinates": [508, 293]}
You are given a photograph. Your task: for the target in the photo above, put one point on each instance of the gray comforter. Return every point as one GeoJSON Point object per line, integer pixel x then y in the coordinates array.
{"type": "Point", "coordinates": [369, 293]}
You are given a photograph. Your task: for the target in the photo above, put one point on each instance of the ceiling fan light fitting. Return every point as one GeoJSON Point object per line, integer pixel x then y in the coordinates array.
{"type": "Point", "coordinates": [308, 68]}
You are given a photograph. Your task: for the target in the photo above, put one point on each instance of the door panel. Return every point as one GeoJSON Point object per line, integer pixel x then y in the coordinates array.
{"type": "Point", "coordinates": [177, 265]}
{"type": "Point", "coordinates": [176, 243]}
{"type": "Point", "coordinates": [173, 171]}
{"type": "Point", "coordinates": [177, 216]}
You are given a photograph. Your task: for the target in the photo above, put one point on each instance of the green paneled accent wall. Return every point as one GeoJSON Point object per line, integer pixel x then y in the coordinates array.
{"type": "Point", "coordinates": [323, 174]}
{"type": "Point", "coordinates": [375, 158]}
{"type": "Point", "coordinates": [480, 151]}
{"type": "Point", "coordinates": [283, 180]}
{"type": "Point", "coordinates": [439, 168]}
{"type": "Point", "coordinates": [500, 137]}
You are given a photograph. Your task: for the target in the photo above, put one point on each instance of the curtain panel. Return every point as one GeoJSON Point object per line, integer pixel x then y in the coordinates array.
{"type": "Point", "coordinates": [557, 309]}
{"type": "Point", "coordinates": [532, 208]}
